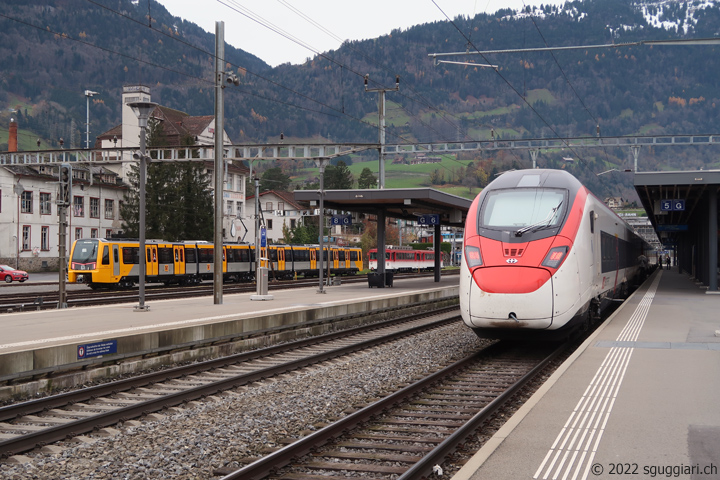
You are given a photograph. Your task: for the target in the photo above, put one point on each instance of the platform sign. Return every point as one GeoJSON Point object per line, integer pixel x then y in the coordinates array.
{"type": "Point", "coordinates": [96, 349]}
{"type": "Point", "coordinates": [263, 237]}
{"type": "Point", "coordinates": [429, 219]}
{"type": "Point", "coordinates": [341, 220]}
{"type": "Point", "coordinates": [672, 205]}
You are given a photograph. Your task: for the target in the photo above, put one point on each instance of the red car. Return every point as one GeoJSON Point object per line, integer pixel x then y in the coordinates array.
{"type": "Point", "coordinates": [9, 274]}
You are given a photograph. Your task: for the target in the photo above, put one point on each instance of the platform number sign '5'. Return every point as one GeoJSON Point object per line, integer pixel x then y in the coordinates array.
{"type": "Point", "coordinates": [672, 205]}
{"type": "Point", "coordinates": [429, 220]}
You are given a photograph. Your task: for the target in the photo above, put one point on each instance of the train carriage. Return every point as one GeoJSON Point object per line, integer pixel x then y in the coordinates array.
{"type": "Point", "coordinates": [102, 262]}
{"type": "Point", "coordinates": [543, 256]}
{"type": "Point", "coordinates": [404, 259]}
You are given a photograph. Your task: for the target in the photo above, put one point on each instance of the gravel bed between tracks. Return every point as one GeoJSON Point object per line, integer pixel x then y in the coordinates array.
{"type": "Point", "coordinates": [189, 442]}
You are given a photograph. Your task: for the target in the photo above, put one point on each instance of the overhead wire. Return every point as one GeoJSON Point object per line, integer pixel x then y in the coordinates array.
{"type": "Point", "coordinates": [267, 24]}
{"type": "Point", "coordinates": [512, 87]}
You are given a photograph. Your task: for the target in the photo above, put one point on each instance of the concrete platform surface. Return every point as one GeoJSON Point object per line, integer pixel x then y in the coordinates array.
{"type": "Point", "coordinates": [641, 399]}
{"type": "Point", "coordinates": [42, 339]}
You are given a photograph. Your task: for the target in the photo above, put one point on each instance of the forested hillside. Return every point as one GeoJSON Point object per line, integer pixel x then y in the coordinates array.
{"type": "Point", "coordinates": [55, 49]}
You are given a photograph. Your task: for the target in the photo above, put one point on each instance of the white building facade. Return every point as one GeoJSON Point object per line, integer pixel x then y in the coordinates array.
{"type": "Point", "coordinates": [29, 221]}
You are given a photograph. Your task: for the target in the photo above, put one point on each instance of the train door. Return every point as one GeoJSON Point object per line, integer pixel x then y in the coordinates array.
{"type": "Point", "coordinates": [116, 260]}
{"type": "Point", "coordinates": [313, 259]}
{"type": "Point", "coordinates": [151, 262]}
{"type": "Point", "coordinates": [281, 259]}
{"type": "Point", "coordinates": [178, 260]}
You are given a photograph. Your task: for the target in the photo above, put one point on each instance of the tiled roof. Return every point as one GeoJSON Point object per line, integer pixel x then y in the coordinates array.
{"type": "Point", "coordinates": [286, 197]}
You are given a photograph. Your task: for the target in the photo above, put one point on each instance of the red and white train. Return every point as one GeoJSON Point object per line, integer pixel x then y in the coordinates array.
{"type": "Point", "coordinates": [403, 259]}
{"type": "Point", "coordinates": [543, 256]}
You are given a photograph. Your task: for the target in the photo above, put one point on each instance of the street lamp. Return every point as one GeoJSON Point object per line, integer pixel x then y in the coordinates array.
{"type": "Point", "coordinates": [88, 94]}
{"type": "Point", "coordinates": [142, 110]}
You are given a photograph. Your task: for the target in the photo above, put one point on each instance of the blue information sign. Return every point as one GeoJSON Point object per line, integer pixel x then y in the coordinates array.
{"type": "Point", "coordinates": [341, 220]}
{"type": "Point", "coordinates": [96, 349]}
{"type": "Point", "coordinates": [429, 219]}
{"type": "Point", "coordinates": [263, 237]}
{"type": "Point", "coordinates": [672, 205]}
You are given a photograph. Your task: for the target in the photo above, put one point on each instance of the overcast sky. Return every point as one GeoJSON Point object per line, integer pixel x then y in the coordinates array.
{"type": "Point", "coordinates": [322, 25]}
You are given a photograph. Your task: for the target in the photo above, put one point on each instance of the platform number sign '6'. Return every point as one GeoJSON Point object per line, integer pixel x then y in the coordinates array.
{"type": "Point", "coordinates": [429, 220]}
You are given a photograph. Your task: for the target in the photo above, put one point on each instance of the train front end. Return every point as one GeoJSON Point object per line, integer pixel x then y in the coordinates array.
{"type": "Point", "coordinates": [520, 274]}
{"type": "Point", "coordinates": [84, 265]}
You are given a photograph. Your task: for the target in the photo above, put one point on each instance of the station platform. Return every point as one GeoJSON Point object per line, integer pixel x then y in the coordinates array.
{"type": "Point", "coordinates": [36, 342]}
{"type": "Point", "coordinates": [640, 398]}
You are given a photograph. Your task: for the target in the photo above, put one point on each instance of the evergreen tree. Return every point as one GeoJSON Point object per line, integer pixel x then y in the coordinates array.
{"type": "Point", "coordinates": [178, 198]}
{"type": "Point", "coordinates": [367, 179]}
{"type": "Point", "coordinates": [338, 177]}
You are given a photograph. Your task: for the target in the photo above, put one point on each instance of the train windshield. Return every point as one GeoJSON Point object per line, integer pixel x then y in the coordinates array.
{"type": "Point", "coordinates": [85, 251]}
{"type": "Point", "coordinates": [524, 209]}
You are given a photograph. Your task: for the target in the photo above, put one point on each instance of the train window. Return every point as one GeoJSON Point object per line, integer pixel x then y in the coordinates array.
{"type": "Point", "coordinates": [177, 255]}
{"type": "Point", "coordinates": [115, 255]}
{"type": "Point", "coordinates": [205, 255]}
{"type": "Point", "coordinates": [289, 255]}
{"type": "Point", "coordinates": [181, 256]}
{"type": "Point", "coordinates": [190, 256]}
{"type": "Point", "coordinates": [148, 256]}
{"type": "Point", "coordinates": [130, 255]}
{"type": "Point", "coordinates": [165, 255]}
{"type": "Point", "coordinates": [106, 255]}
{"type": "Point", "coordinates": [592, 221]}
{"type": "Point", "coordinates": [341, 255]}
{"type": "Point", "coordinates": [273, 255]}
{"type": "Point", "coordinates": [523, 207]}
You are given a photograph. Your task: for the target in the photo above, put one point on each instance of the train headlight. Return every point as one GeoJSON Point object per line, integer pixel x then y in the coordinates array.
{"type": "Point", "coordinates": [555, 257]}
{"type": "Point", "coordinates": [472, 256]}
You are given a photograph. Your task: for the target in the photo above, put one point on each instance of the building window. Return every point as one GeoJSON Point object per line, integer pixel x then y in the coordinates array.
{"type": "Point", "coordinates": [45, 204]}
{"type": "Point", "coordinates": [229, 207]}
{"type": "Point", "coordinates": [239, 209]}
{"type": "Point", "coordinates": [109, 209]}
{"type": "Point", "coordinates": [45, 238]}
{"type": "Point", "coordinates": [293, 222]}
{"type": "Point", "coordinates": [94, 208]}
{"type": "Point", "coordinates": [26, 237]}
{"type": "Point", "coordinates": [268, 207]}
{"type": "Point", "coordinates": [108, 233]}
{"type": "Point", "coordinates": [26, 202]}
{"type": "Point", "coordinates": [281, 205]}
{"type": "Point", "coordinates": [78, 233]}
{"type": "Point", "coordinates": [229, 184]}
{"type": "Point", "coordinates": [120, 208]}
{"type": "Point", "coordinates": [269, 224]}
{"type": "Point", "coordinates": [93, 233]}
{"type": "Point", "coordinates": [79, 206]}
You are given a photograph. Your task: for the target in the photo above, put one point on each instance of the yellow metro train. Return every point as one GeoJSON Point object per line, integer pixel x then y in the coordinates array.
{"type": "Point", "coordinates": [100, 262]}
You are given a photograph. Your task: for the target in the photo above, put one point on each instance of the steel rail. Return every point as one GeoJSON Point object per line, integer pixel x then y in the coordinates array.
{"type": "Point", "coordinates": [53, 434]}
{"type": "Point", "coordinates": [271, 464]}
{"type": "Point", "coordinates": [424, 468]}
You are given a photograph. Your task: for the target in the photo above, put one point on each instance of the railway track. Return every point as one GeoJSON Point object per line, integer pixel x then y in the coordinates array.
{"type": "Point", "coordinates": [22, 301]}
{"type": "Point", "coordinates": [27, 425]}
{"type": "Point", "coordinates": [408, 434]}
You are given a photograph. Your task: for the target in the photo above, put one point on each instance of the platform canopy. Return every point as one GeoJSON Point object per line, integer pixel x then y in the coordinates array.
{"type": "Point", "coordinates": [404, 203]}
{"type": "Point", "coordinates": [683, 208]}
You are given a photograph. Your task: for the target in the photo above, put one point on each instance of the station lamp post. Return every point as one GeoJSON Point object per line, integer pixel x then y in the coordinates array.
{"type": "Point", "coordinates": [88, 94]}
{"type": "Point", "coordinates": [142, 110]}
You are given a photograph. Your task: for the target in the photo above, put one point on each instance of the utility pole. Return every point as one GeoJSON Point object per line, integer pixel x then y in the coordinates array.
{"type": "Point", "coordinates": [219, 184]}
{"type": "Point", "coordinates": [63, 201]}
{"type": "Point", "coordinates": [381, 122]}
{"type": "Point", "coordinates": [88, 94]}
{"type": "Point", "coordinates": [221, 77]}
{"type": "Point", "coordinates": [321, 164]}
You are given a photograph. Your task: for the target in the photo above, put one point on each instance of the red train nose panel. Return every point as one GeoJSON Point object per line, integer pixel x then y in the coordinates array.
{"type": "Point", "coordinates": [510, 279]}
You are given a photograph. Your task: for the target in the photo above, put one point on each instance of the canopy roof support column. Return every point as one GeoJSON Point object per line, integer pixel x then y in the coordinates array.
{"type": "Point", "coordinates": [713, 241]}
